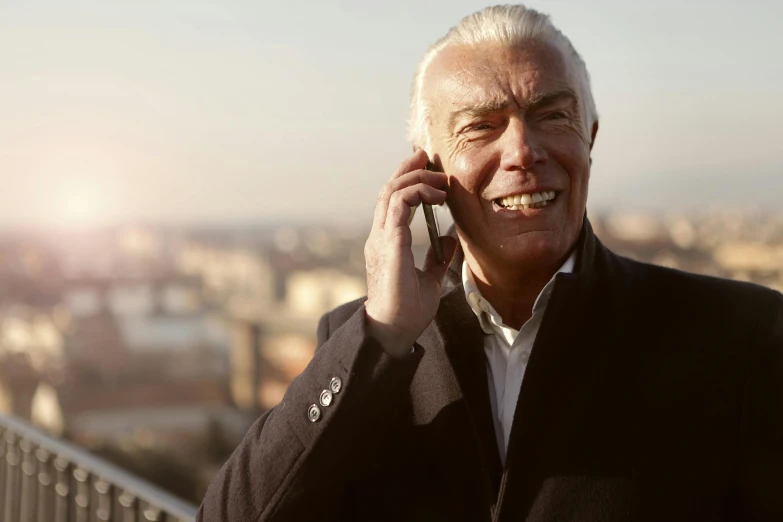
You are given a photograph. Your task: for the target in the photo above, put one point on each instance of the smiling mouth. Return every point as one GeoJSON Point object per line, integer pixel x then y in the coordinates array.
{"type": "Point", "coordinates": [525, 201]}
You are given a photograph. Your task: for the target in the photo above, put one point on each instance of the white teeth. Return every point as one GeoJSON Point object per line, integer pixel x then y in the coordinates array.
{"type": "Point", "coordinates": [535, 200]}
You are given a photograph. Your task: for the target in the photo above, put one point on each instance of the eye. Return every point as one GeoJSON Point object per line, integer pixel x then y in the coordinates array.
{"type": "Point", "coordinates": [479, 126]}
{"type": "Point", "coordinates": [556, 115]}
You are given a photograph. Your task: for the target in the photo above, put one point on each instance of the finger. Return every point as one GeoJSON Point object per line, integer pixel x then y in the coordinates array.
{"type": "Point", "coordinates": [402, 201]}
{"type": "Point", "coordinates": [435, 179]}
{"type": "Point", "coordinates": [417, 160]}
{"type": "Point", "coordinates": [428, 177]}
{"type": "Point", "coordinates": [431, 266]}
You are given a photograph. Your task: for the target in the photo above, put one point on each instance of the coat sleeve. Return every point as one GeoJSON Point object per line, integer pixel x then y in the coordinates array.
{"type": "Point", "coordinates": [760, 491]}
{"type": "Point", "coordinates": [291, 468]}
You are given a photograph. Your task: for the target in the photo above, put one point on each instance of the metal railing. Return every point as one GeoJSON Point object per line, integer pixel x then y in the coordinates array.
{"type": "Point", "coordinates": [43, 479]}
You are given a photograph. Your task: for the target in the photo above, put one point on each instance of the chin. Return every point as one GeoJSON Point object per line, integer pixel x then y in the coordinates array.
{"type": "Point", "coordinates": [532, 248]}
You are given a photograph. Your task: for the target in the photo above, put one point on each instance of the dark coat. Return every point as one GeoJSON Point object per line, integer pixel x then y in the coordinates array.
{"type": "Point", "coordinates": [650, 394]}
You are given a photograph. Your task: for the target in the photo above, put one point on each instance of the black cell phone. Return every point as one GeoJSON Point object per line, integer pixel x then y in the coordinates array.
{"type": "Point", "coordinates": [432, 225]}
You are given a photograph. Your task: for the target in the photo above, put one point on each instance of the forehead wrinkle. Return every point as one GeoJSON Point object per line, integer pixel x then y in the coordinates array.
{"type": "Point", "coordinates": [499, 101]}
{"type": "Point", "coordinates": [552, 96]}
{"type": "Point", "coordinates": [475, 107]}
{"type": "Point", "coordinates": [462, 83]}
{"type": "Point", "coordinates": [494, 81]}
{"type": "Point", "coordinates": [463, 94]}
{"type": "Point", "coordinates": [475, 100]}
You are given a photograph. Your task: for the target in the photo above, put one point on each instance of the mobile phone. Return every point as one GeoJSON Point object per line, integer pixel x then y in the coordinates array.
{"type": "Point", "coordinates": [432, 225]}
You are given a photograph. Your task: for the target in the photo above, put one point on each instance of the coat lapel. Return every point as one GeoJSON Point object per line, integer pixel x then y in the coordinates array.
{"type": "Point", "coordinates": [463, 342]}
{"type": "Point", "coordinates": [560, 377]}
{"type": "Point", "coordinates": [560, 369]}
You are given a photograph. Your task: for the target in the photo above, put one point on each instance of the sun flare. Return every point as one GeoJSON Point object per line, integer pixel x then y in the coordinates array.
{"type": "Point", "coordinates": [78, 206]}
{"type": "Point", "coordinates": [82, 182]}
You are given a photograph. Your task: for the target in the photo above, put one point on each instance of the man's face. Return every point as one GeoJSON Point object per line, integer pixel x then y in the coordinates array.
{"type": "Point", "coordinates": [507, 122]}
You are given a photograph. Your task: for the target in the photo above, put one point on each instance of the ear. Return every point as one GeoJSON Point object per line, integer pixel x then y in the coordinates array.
{"type": "Point", "coordinates": [593, 134]}
{"type": "Point", "coordinates": [432, 163]}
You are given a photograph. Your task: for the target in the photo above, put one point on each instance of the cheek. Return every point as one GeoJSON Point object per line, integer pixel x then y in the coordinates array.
{"type": "Point", "coordinates": [579, 173]}
{"type": "Point", "coordinates": [469, 171]}
{"type": "Point", "coordinates": [576, 162]}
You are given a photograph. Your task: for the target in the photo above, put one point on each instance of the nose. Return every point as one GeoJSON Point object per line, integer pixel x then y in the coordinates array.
{"type": "Point", "coordinates": [520, 149]}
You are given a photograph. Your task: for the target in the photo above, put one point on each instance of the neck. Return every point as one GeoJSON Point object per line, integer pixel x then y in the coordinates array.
{"type": "Point", "coordinates": [512, 292]}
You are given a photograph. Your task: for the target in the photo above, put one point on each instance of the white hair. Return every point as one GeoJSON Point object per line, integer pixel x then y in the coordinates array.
{"type": "Point", "coordinates": [507, 24]}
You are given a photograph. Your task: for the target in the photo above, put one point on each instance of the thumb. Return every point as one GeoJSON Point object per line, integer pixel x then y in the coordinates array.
{"type": "Point", "coordinates": [437, 270]}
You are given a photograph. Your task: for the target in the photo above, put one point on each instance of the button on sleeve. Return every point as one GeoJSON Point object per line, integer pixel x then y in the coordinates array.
{"type": "Point", "coordinates": [314, 413]}
{"type": "Point", "coordinates": [326, 398]}
{"type": "Point", "coordinates": [336, 384]}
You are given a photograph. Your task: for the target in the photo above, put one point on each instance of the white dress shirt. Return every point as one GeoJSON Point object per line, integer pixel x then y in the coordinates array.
{"type": "Point", "coordinates": [507, 350]}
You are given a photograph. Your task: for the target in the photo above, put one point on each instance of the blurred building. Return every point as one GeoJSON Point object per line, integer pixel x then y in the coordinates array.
{"type": "Point", "coordinates": [157, 347]}
{"type": "Point", "coordinates": [154, 415]}
{"type": "Point", "coordinates": [313, 292]}
{"type": "Point", "coordinates": [264, 360]}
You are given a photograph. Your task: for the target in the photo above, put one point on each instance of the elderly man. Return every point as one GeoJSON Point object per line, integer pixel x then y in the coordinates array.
{"type": "Point", "coordinates": [536, 376]}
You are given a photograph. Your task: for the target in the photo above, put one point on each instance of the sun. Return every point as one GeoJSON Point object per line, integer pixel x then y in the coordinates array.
{"type": "Point", "coordinates": [79, 206]}
{"type": "Point", "coordinates": [82, 179]}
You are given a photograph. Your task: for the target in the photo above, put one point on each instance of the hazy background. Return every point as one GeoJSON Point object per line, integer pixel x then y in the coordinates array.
{"type": "Point", "coordinates": [187, 186]}
{"type": "Point", "coordinates": [200, 111]}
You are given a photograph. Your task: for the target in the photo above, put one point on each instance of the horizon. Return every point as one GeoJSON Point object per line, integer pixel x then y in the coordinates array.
{"type": "Point", "coordinates": [234, 112]}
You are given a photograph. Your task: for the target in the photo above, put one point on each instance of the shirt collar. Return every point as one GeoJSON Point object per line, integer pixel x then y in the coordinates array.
{"type": "Point", "coordinates": [483, 309]}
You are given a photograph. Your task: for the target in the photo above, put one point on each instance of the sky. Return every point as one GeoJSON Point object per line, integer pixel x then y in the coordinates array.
{"type": "Point", "coordinates": [241, 111]}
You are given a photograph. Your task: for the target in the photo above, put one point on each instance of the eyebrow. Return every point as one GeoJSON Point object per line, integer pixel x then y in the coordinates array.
{"type": "Point", "coordinates": [542, 100]}
{"type": "Point", "coordinates": [491, 106]}
{"type": "Point", "coordinates": [478, 110]}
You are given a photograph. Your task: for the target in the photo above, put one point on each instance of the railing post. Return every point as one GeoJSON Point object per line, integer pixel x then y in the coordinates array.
{"type": "Point", "coordinates": [152, 514]}
{"type": "Point", "coordinates": [130, 507]}
{"type": "Point", "coordinates": [103, 512]}
{"type": "Point", "coordinates": [62, 490]}
{"type": "Point", "coordinates": [45, 490]}
{"type": "Point", "coordinates": [27, 509]}
{"type": "Point", "coordinates": [82, 499]}
{"type": "Point", "coordinates": [10, 498]}
{"type": "Point", "coordinates": [43, 479]}
{"type": "Point", "coordinates": [3, 480]}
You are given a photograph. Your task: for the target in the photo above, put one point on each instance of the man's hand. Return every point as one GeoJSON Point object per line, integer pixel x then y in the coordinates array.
{"type": "Point", "coordinates": [401, 299]}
